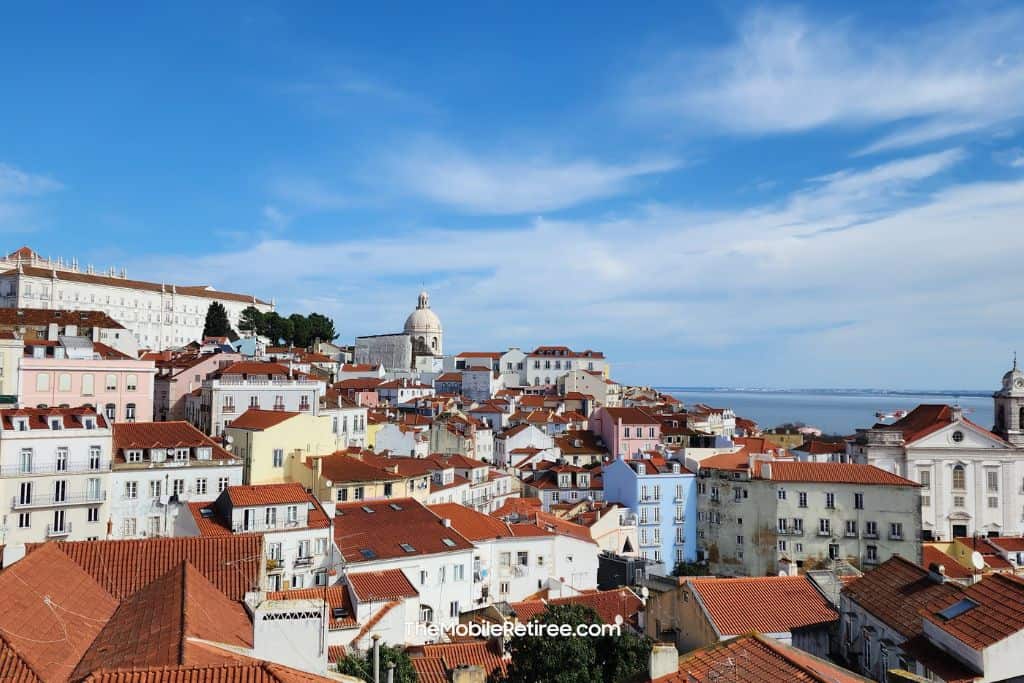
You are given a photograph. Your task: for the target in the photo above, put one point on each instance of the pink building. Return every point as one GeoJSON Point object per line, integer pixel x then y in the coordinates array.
{"type": "Point", "coordinates": [180, 375]}
{"type": "Point", "coordinates": [76, 371]}
{"type": "Point", "coordinates": [626, 431]}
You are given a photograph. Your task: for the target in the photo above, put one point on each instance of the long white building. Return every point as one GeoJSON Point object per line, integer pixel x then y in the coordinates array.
{"type": "Point", "coordinates": [159, 315]}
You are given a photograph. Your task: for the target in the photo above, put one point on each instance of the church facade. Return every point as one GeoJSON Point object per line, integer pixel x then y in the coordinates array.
{"type": "Point", "coordinates": [419, 346]}
{"type": "Point", "coordinates": [972, 478]}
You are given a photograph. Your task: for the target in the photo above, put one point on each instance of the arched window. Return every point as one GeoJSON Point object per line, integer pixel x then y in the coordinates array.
{"type": "Point", "coordinates": [1020, 418]}
{"type": "Point", "coordinates": [43, 381]}
{"type": "Point", "coordinates": [64, 382]}
{"type": "Point", "coordinates": [87, 385]}
{"type": "Point", "coordinates": [959, 478]}
{"type": "Point", "coordinates": [426, 614]}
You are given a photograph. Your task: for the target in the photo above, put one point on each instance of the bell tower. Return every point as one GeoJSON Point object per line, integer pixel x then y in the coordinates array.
{"type": "Point", "coordinates": [1009, 406]}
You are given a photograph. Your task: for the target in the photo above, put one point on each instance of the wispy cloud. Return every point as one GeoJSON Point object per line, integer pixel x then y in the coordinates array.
{"type": "Point", "coordinates": [785, 72]}
{"type": "Point", "coordinates": [667, 275]}
{"type": "Point", "coordinates": [20, 191]}
{"type": "Point", "coordinates": [512, 184]}
{"type": "Point", "coordinates": [308, 194]}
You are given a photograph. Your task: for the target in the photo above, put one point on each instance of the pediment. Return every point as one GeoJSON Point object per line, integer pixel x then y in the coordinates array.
{"type": "Point", "coordinates": [961, 435]}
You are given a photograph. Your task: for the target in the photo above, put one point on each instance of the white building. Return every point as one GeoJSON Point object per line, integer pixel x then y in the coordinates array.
{"type": "Point", "coordinates": [403, 534]}
{"type": "Point", "coordinates": [972, 479]}
{"type": "Point", "coordinates": [348, 420]}
{"type": "Point", "coordinates": [516, 438]}
{"type": "Point", "coordinates": [159, 315]}
{"type": "Point", "coordinates": [159, 466]}
{"type": "Point", "coordinates": [55, 474]}
{"type": "Point", "coordinates": [295, 528]}
{"type": "Point", "coordinates": [546, 364]}
{"type": "Point", "coordinates": [232, 390]}
{"type": "Point", "coordinates": [424, 326]}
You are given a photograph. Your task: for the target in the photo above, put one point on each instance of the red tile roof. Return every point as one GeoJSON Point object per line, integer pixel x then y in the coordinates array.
{"type": "Point", "coordinates": [340, 468]}
{"type": "Point", "coordinates": [756, 659]}
{"type": "Point", "coordinates": [894, 592]}
{"type": "Point", "coordinates": [254, 672]}
{"type": "Point", "coordinates": [430, 669]}
{"type": "Point", "coordinates": [998, 612]}
{"type": "Point", "coordinates": [266, 494]}
{"type": "Point", "coordinates": [145, 435]}
{"type": "Point", "coordinates": [382, 586]}
{"type": "Point", "coordinates": [381, 532]}
{"type": "Point", "coordinates": [631, 416]}
{"type": "Point", "coordinates": [1012, 544]}
{"type": "Point", "coordinates": [374, 620]}
{"type": "Point", "coordinates": [767, 604]}
{"type": "Point", "coordinates": [619, 602]}
{"type": "Point", "coordinates": [485, 654]}
{"type": "Point", "coordinates": [474, 525]}
{"type": "Point", "coordinates": [122, 567]}
{"type": "Point", "coordinates": [954, 570]}
{"type": "Point", "coordinates": [38, 418]}
{"type": "Point", "coordinates": [255, 368]}
{"type": "Point", "coordinates": [52, 612]}
{"type": "Point", "coordinates": [39, 317]}
{"type": "Point", "coordinates": [834, 473]}
{"type": "Point", "coordinates": [155, 625]}
{"type": "Point", "coordinates": [257, 420]}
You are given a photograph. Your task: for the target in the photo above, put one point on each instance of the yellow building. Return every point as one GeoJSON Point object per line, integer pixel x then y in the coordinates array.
{"type": "Point", "coordinates": [274, 444]}
{"type": "Point", "coordinates": [345, 477]}
{"type": "Point", "coordinates": [373, 425]}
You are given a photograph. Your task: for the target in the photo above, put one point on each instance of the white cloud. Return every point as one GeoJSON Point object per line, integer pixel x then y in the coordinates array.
{"type": "Point", "coordinates": [652, 288]}
{"type": "Point", "coordinates": [276, 218]}
{"type": "Point", "coordinates": [512, 184]}
{"type": "Point", "coordinates": [785, 73]}
{"type": "Point", "coordinates": [15, 182]}
{"type": "Point", "coordinates": [308, 194]}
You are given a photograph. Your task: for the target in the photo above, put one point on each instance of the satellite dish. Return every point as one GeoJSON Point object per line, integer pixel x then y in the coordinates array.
{"type": "Point", "coordinates": [228, 438]}
{"type": "Point", "coordinates": [977, 561]}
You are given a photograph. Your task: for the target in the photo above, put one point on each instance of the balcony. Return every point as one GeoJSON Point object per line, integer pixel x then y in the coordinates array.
{"type": "Point", "coordinates": [896, 537]}
{"type": "Point", "coordinates": [824, 532]}
{"type": "Point", "coordinates": [50, 501]}
{"type": "Point", "coordinates": [58, 532]}
{"type": "Point", "coordinates": [871, 534]}
{"type": "Point", "coordinates": [51, 468]}
{"type": "Point", "coordinates": [274, 564]}
{"type": "Point", "coordinates": [303, 562]}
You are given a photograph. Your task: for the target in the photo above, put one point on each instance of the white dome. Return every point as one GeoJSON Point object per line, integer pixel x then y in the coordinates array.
{"type": "Point", "coordinates": [423, 320]}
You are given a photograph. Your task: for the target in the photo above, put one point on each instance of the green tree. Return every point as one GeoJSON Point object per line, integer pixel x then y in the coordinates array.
{"type": "Point", "coordinates": [300, 330]}
{"type": "Point", "coordinates": [279, 330]}
{"type": "Point", "coordinates": [250, 320]}
{"type": "Point", "coordinates": [217, 324]}
{"type": "Point", "coordinates": [361, 666]}
{"type": "Point", "coordinates": [321, 327]}
{"type": "Point", "coordinates": [689, 569]}
{"type": "Point", "coordinates": [576, 659]}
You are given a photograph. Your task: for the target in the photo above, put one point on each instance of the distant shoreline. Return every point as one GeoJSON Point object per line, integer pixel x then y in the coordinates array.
{"type": "Point", "coordinates": [974, 393]}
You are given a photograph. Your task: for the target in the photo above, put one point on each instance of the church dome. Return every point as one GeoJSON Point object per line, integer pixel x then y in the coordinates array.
{"type": "Point", "coordinates": [423, 320]}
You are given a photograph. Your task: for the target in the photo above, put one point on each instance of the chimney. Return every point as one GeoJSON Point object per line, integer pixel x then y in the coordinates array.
{"type": "Point", "coordinates": [936, 573]}
{"type": "Point", "coordinates": [469, 673]}
{"type": "Point", "coordinates": [766, 470]}
{"type": "Point", "coordinates": [958, 413]}
{"type": "Point", "coordinates": [445, 522]}
{"type": "Point", "coordinates": [664, 660]}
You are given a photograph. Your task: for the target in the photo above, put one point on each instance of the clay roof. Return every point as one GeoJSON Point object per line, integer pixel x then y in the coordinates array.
{"type": "Point", "coordinates": [894, 591]}
{"type": "Point", "coordinates": [346, 469]}
{"type": "Point", "coordinates": [430, 669]}
{"type": "Point", "coordinates": [757, 659]}
{"type": "Point", "coordinates": [548, 522]}
{"type": "Point", "coordinates": [155, 626]}
{"type": "Point", "coordinates": [736, 460]}
{"type": "Point", "coordinates": [474, 525]}
{"type": "Point", "coordinates": [382, 586]}
{"type": "Point", "coordinates": [252, 671]}
{"type": "Point", "coordinates": [38, 418]}
{"type": "Point", "coordinates": [767, 604]}
{"type": "Point", "coordinates": [927, 418]}
{"type": "Point", "coordinates": [33, 317]}
{"type": "Point", "coordinates": [257, 420]}
{"type": "Point", "coordinates": [1011, 544]}
{"type": "Point", "coordinates": [52, 611]}
{"type": "Point", "coordinates": [251, 367]}
{"type": "Point", "coordinates": [932, 555]}
{"type": "Point", "coordinates": [449, 377]}
{"type": "Point", "coordinates": [145, 435]}
{"type": "Point", "coordinates": [363, 536]}
{"type": "Point", "coordinates": [203, 291]}
{"type": "Point", "coordinates": [631, 416]}
{"type": "Point", "coordinates": [819, 447]}
{"type": "Point", "coordinates": [835, 473]}
{"type": "Point", "coordinates": [991, 554]}
{"type": "Point", "coordinates": [231, 564]}
{"type": "Point", "coordinates": [619, 602]}
{"type": "Point", "coordinates": [995, 612]}
{"type": "Point", "coordinates": [482, 653]}
{"type": "Point", "coordinates": [266, 494]}
{"type": "Point", "coordinates": [564, 352]}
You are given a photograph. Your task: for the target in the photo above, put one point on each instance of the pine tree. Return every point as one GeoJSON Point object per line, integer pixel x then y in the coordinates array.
{"type": "Point", "coordinates": [217, 324]}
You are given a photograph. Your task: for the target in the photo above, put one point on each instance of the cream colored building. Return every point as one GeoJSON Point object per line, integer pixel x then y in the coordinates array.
{"type": "Point", "coordinates": [274, 444]}
{"type": "Point", "coordinates": [159, 315]}
{"type": "Point", "coordinates": [11, 350]}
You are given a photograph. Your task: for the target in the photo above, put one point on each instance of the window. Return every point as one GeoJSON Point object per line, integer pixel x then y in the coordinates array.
{"type": "Point", "coordinates": [222, 483]}
{"type": "Point", "coordinates": [25, 461]}
{"type": "Point", "coordinates": [783, 525]}
{"type": "Point", "coordinates": [25, 492]}
{"type": "Point", "coordinates": [24, 520]}
{"type": "Point", "coordinates": [131, 489]}
{"type": "Point", "coordinates": [453, 608]}
{"type": "Point", "coordinates": [459, 572]}
{"type": "Point", "coordinates": [833, 551]}
{"type": "Point", "coordinates": [270, 517]}
{"type": "Point", "coordinates": [830, 501]}
{"type": "Point", "coordinates": [851, 527]}
{"type": "Point", "coordinates": [896, 530]}
{"type": "Point", "coordinates": [802, 502]}
{"type": "Point", "coordinates": [958, 436]}
{"type": "Point", "coordinates": [522, 558]}
{"type": "Point", "coordinates": [111, 382]}
{"type": "Point", "coordinates": [110, 410]}
{"type": "Point", "coordinates": [64, 382]}
{"type": "Point", "coordinates": [959, 478]}
{"type": "Point", "coordinates": [824, 527]}
{"type": "Point", "coordinates": [872, 553]}
{"type": "Point", "coordinates": [155, 488]}
{"type": "Point", "coordinates": [43, 382]}
{"type": "Point", "coordinates": [993, 502]}
{"type": "Point", "coordinates": [201, 486]}
{"type": "Point", "coordinates": [782, 546]}
{"type": "Point", "coordinates": [87, 385]}
{"type": "Point", "coordinates": [357, 493]}
{"type": "Point", "coordinates": [871, 529]}
{"type": "Point", "coordinates": [924, 477]}
{"type": "Point", "coordinates": [781, 493]}
{"type": "Point", "coordinates": [129, 412]}
{"type": "Point", "coordinates": [992, 481]}
{"type": "Point", "coordinates": [739, 540]}
{"type": "Point", "coordinates": [798, 525]}
{"type": "Point", "coordinates": [426, 614]}
{"type": "Point", "coordinates": [858, 501]}
{"type": "Point", "coordinates": [254, 401]}
{"type": "Point", "coordinates": [958, 501]}
{"type": "Point", "coordinates": [179, 487]}
{"type": "Point", "coordinates": [131, 383]}
{"type": "Point", "coordinates": [505, 559]}
{"type": "Point", "coordinates": [304, 548]}
{"type": "Point", "coordinates": [278, 457]}
{"type": "Point", "coordinates": [129, 527]}
{"type": "Point", "coordinates": [293, 514]}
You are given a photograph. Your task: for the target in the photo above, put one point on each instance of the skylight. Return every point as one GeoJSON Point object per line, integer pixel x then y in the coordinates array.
{"type": "Point", "coordinates": [395, 506]}
{"type": "Point", "coordinates": [407, 548]}
{"type": "Point", "coordinates": [368, 554]}
{"type": "Point", "coordinates": [957, 608]}
{"type": "Point", "coordinates": [369, 510]}
{"type": "Point", "coordinates": [448, 542]}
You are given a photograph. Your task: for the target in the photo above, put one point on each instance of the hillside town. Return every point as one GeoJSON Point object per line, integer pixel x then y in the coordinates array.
{"type": "Point", "coordinates": [200, 492]}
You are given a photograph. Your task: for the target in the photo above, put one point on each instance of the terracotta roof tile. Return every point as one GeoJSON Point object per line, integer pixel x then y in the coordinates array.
{"type": "Point", "coordinates": [485, 654]}
{"type": "Point", "coordinates": [38, 418]}
{"type": "Point", "coordinates": [997, 612]}
{"type": "Point", "coordinates": [145, 435]}
{"type": "Point", "coordinates": [380, 534]}
{"type": "Point", "coordinates": [767, 604]}
{"type": "Point", "coordinates": [932, 555]}
{"type": "Point", "coordinates": [430, 669]}
{"type": "Point", "coordinates": [257, 420]}
{"type": "Point", "coordinates": [38, 317]}
{"type": "Point", "coordinates": [836, 473]}
{"type": "Point", "coordinates": [254, 672]}
{"type": "Point", "coordinates": [895, 590]}
{"type": "Point", "coordinates": [386, 585]}
{"type": "Point", "coordinates": [337, 597]}
{"type": "Point", "coordinates": [474, 525]}
{"type": "Point", "coordinates": [347, 469]}
{"type": "Point", "coordinates": [266, 494]}
{"type": "Point", "coordinates": [123, 567]}
{"type": "Point", "coordinates": [620, 602]}
{"type": "Point", "coordinates": [374, 620]}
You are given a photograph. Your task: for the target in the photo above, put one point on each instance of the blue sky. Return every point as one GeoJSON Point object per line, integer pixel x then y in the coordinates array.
{"type": "Point", "coordinates": [716, 194]}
